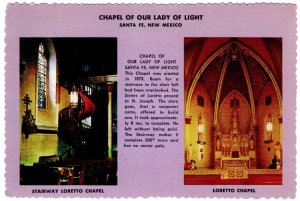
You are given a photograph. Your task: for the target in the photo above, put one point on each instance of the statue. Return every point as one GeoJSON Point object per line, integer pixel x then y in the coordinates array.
{"type": "Point", "coordinates": [278, 151]}
{"type": "Point", "coordinates": [228, 149]}
{"type": "Point", "coordinates": [223, 148]}
{"type": "Point", "coordinates": [273, 164]}
{"type": "Point", "coordinates": [235, 143]}
{"type": "Point", "coordinates": [251, 141]}
{"type": "Point", "coordinates": [193, 167]}
{"type": "Point", "coordinates": [242, 148]}
{"type": "Point", "coordinates": [218, 144]}
{"type": "Point", "coordinates": [246, 149]}
{"type": "Point", "coordinates": [189, 153]}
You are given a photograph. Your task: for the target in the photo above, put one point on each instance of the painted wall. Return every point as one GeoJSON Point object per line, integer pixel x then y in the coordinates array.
{"type": "Point", "coordinates": [39, 144]}
{"type": "Point", "coordinates": [192, 130]}
{"type": "Point", "coordinates": [266, 152]}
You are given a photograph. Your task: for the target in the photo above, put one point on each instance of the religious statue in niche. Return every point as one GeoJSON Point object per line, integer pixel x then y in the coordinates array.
{"type": "Point", "coordinates": [251, 142]}
{"type": "Point", "coordinates": [223, 148]}
{"type": "Point", "coordinates": [235, 143]}
{"type": "Point", "coordinates": [218, 144]}
{"type": "Point", "coordinates": [244, 146]}
{"type": "Point", "coordinates": [28, 123]}
{"type": "Point", "coordinates": [226, 147]}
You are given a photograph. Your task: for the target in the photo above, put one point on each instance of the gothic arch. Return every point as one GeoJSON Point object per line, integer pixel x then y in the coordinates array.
{"type": "Point", "coordinates": [243, 100]}
{"type": "Point", "coordinates": [211, 58]}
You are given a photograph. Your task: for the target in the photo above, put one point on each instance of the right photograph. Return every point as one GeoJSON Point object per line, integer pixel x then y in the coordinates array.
{"type": "Point", "coordinates": [233, 111]}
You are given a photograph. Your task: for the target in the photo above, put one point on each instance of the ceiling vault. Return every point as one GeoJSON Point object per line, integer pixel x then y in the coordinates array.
{"type": "Point", "coordinates": [269, 72]}
{"type": "Point", "coordinates": [220, 84]}
{"type": "Point", "coordinates": [250, 90]}
{"type": "Point", "coordinates": [197, 76]}
{"type": "Point", "coordinates": [238, 54]}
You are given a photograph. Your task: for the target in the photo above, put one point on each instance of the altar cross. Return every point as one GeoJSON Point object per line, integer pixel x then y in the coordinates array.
{"type": "Point", "coordinates": [27, 101]}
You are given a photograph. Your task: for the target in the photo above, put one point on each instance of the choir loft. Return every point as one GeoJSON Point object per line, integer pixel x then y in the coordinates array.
{"type": "Point", "coordinates": [233, 111]}
{"type": "Point", "coordinates": [68, 111]}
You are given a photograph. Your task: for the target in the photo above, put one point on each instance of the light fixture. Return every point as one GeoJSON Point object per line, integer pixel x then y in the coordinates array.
{"type": "Point", "coordinates": [269, 130]}
{"type": "Point", "coordinates": [74, 97]}
{"type": "Point", "coordinates": [234, 52]}
{"type": "Point", "coordinates": [200, 131]}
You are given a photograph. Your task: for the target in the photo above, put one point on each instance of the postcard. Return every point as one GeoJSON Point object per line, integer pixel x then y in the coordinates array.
{"type": "Point", "coordinates": [132, 100]}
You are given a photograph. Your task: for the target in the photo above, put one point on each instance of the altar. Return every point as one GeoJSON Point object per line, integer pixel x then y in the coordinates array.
{"type": "Point", "coordinates": [233, 177]}
{"type": "Point", "coordinates": [233, 129]}
{"type": "Point", "coordinates": [235, 147]}
{"type": "Point", "coordinates": [235, 163]}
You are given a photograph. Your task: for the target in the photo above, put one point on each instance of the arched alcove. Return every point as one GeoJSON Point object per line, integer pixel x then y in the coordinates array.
{"type": "Point", "coordinates": [243, 112]}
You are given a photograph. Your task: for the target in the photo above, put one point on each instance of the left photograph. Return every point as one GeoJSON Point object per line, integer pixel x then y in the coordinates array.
{"type": "Point", "coordinates": [68, 111]}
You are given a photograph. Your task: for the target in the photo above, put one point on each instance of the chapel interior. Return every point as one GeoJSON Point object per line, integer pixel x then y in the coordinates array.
{"type": "Point", "coordinates": [68, 111]}
{"type": "Point", "coordinates": [233, 111]}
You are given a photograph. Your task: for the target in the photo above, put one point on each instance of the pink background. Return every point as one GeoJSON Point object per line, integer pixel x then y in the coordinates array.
{"type": "Point", "coordinates": [151, 172]}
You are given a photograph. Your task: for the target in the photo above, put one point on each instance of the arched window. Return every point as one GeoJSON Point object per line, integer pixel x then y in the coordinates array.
{"type": "Point", "coordinates": [42, 71]}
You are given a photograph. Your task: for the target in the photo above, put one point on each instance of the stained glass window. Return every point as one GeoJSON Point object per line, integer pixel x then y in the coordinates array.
{"type": "Point", "coordinates": [42, 69]}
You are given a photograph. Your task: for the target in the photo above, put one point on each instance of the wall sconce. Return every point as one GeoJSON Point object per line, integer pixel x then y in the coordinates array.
{"type": "Point", "coordinates": [269, 130]}
{"type": "Point", "coordinates": [200, 131]}
{"type": "Point", "coordinates": [74, 97]}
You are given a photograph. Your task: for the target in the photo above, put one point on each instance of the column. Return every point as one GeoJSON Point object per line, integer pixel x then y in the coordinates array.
{"type": "Point", "coordinates": [281, 139]}
{"type": "Point", "coordinates": [109, 119]}
{"type": "Point", "coordinates": [187, 140]}
{"type": "Point", "coordinates": [280, 129]}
